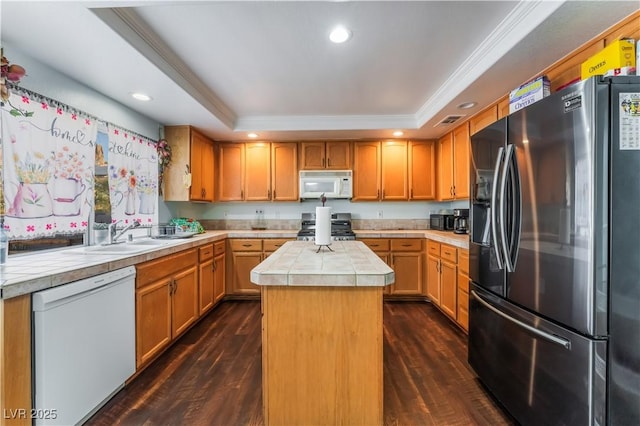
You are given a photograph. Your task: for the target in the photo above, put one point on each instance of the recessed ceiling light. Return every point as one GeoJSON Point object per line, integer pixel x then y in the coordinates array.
{"type": "Point", "coordinates": [141, 96]}
{"type": "Point", "coordinates": [398, 133]}
{"type": "Point", "coordinates": [339, 34]}
{"type": "Point", "coordinates": [467, 105]}
{"type": "Point", "coordinates": [252, 135]}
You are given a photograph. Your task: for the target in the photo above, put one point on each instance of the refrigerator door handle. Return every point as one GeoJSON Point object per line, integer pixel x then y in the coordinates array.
{"type": "Point", "coordinates": [494, 190]}
{"type": "Point", "coordinates": [503, 219]}
{"type": "Point", "coordinates": [550, 337]}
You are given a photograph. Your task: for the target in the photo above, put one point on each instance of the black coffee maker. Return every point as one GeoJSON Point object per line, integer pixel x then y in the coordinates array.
{"type": "Point", "coordinates": [461, 221]}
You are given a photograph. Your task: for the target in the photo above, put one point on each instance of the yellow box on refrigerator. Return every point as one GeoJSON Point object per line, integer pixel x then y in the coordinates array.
{"type": "Point", "coordinates": [619, 54]}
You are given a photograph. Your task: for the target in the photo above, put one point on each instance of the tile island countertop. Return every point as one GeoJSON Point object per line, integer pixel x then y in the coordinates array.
{"type": "Point", "coordinates": [302, 263]}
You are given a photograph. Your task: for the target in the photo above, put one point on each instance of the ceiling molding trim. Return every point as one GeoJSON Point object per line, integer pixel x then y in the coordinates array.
{"type": "Point", "coordinates": [129, 25]}
{"type": "Point", "coordinates": [325, 122]}
{"type": "Point", "coordinates": [523, 19]}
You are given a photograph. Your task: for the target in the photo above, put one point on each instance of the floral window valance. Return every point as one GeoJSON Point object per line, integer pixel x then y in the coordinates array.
{"type": "Point", "coordinates": [48, 162]}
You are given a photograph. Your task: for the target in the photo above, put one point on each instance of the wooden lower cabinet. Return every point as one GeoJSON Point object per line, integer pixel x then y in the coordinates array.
{"type": "Point", "coordinates": [406, 258]}
{"type": "Point", "coordinates": [245, 255]}
{"type": "Point", "coordinates": [219, 266]}
{"type": "Point", "coordinates": [442, 270]}
{"type": "Point", "coordinates": [463, 289]}
{"type": "Point", "coordinates": [166, 302]}
{"type": "Point", "coordinates": [205, 279]}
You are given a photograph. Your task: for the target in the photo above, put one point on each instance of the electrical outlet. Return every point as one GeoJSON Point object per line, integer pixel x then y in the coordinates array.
{"type": "Point", "coordinates": [259, 211]}
{"type": "Point", "coordinates": [380, 214]}
{"type": "Point", "coordinates": [226, 213]}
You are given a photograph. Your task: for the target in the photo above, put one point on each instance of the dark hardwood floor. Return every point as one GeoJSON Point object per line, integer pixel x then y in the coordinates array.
{"type": "Point", "coordinates": [212, 375]}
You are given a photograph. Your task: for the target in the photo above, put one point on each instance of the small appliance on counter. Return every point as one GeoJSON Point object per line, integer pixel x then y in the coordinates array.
{"type": "Point", "coordinates": [441, 221]}
{"type": "Point", "coordinates": [461, 221]}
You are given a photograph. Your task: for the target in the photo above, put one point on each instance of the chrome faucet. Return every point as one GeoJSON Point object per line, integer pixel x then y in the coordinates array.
{"type": "Point", "coordinates": [114, 235]}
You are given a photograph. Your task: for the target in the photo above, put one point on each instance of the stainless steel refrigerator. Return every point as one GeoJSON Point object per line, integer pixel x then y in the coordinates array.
{"type": "Point", "coordinates": [554, 310]}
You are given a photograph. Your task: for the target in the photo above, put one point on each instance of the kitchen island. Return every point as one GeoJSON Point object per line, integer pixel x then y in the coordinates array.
{"type": "Point", "coordinates": [322, 333]}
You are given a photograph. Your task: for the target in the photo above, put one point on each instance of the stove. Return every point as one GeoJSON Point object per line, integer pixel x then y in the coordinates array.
{"type": "Point", "coordinates": [340, 227]}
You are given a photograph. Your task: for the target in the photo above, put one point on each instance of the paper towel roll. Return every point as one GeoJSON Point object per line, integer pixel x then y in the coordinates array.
{"type": "Point", "coordinates": [323, 226]}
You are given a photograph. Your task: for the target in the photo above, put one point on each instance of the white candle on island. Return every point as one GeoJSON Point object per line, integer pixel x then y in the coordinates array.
{"type": "Point", "coordinates": [323, 226]}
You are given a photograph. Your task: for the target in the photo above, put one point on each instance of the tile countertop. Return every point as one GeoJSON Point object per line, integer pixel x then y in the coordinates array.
{"type": "Point", "coordinates": [302, 263]}
{"type": "Point", "coordinates": [24, 274]}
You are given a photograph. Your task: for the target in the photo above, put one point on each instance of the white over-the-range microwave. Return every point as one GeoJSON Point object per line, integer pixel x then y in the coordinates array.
{"type": "Point", "coordinates": [331, 183]}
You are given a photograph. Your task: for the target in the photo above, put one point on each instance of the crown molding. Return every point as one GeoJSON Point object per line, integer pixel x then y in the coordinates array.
{"type": "Point", "coordinates": [523, 19]}
{"type": "Point", "coordinates": [325, 122]}
{"type": "Point", "coordinates": [128, 24]}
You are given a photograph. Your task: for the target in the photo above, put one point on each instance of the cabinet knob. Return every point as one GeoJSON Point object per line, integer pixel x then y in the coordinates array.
{"type": "Point", "coordinates": [214, 266]}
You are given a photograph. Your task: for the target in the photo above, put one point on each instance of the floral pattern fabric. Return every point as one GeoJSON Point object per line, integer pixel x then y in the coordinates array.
{"type": "Point", "coordinates": [133, 177]}
{"type": "Point", "coordinates": [48, 167]}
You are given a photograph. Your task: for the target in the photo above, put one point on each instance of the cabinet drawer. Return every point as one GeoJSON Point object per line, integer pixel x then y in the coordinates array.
{"type": "Point", "coordinates": [246, 245]}
{"type": "Point", "coordinates": [449, 253]}
{"type": "Point", "coordinates": [205, 252]}
{"type": "Point", "coordinates": [273, 244]}
{"type": "Point", "coordinates": [218, 247]}
{"type": "Point", "coordinates": [154, 270]}
{"type": "Point", "coordinates": [376, 244]}
{"type": "Point", "coordinates": [406, 244]}
{"type": "Point", "coordinates": [433, 248]}
{"type": "Point", "coordinates": [463, 261]}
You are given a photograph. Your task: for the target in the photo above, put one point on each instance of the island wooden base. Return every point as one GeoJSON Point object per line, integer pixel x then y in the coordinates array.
{"type": "Point", "coordinates": [322, 355]}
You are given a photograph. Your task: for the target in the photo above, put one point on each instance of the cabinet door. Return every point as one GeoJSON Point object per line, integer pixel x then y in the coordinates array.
{"type": "Point", "coordinates": [448, 288]}
{"type": "Point", "coordinates": [366, 171]}
{"type": "Point", "coordinates": [284, 171]}
{"type": "Point", "coordinates": [257, 183]}
{"type": "Point", "coordinates": [179, 139]}
{"type": "Point", "coordinates": [206, 286]}
{"type": "Point", "coordinates": [484, 118]}
{"type": "Point", "coordinates": [422, 170]}
{"type": "Point", "coordinates": [231, 176]}
{"type": "Point", "coordinates": [338, 155]}
{"type": "Point", "coordinates": [312, 155]}
{"type": "Point", "coordinates": [153, 320]}
{"type": "Point", "coordinates": [394, 170]}
{"type": "Point", "coordinates": [433, 279]}
{"type": "Point", "coordinates": [408, 271]}
{"type": "Point", "coordinates": [184, 300]}
{"type": "Point", "coordinates": [201, 168]}
{"type": "Point", "coordinates": [445, 167]}
{"type": "Point", "coordinates": [243, 263]}
{"type": "Point", "coordinates": [461, 141]}
{"type": "Point", "coordinates": [218, 277]}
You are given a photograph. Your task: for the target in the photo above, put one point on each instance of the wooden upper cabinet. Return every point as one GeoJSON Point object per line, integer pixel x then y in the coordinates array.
{"type": "Point", "coordinates": [461, 142]}
{"type": "Point", "coordinates": [484, 118]}
{"type": "Point", "coordinates": [453, 164]}
{"type": "Point", "coordinates": [192, 152]}
{"type": "Point", "coordinates": [503, 108]}
{"type": "Point", "coordinates": [284, 171]}
{"type": "Point", "coordinates": [325, 155]}
{"type": "Point", "coordinates": [394, 170]}
{"type": "Point", "coordinates": [445, 167]}
{"type": "Point", "coordinates": [422, 170]}
{"type": "Point", "coordinates": [231, 172]}
{"type": "Point", "coordinates": [257, 171]}
{"type": "Point", "coordinates": [366, 171]}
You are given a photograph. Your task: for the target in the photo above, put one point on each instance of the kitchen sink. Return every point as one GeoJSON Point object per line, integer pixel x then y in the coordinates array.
{"type": "Point", "coordinates": [136, 246]}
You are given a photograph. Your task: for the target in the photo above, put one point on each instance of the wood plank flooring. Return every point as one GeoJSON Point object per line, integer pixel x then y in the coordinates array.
{"type": "Point", "coordinates": [212, 375]}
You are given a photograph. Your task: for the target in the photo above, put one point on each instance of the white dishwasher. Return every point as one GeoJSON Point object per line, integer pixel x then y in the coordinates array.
{"type": "Point", "coordinates": [84, 345]}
